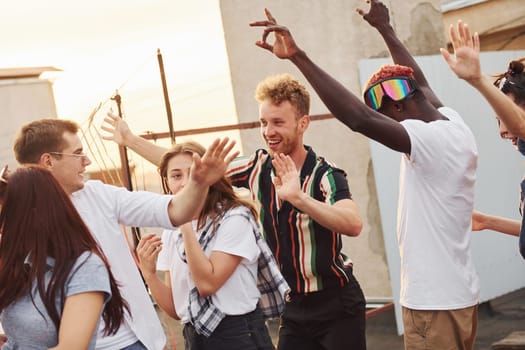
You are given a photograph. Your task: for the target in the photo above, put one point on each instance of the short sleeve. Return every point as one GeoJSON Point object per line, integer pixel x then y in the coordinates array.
{"type": "Point", "coordinates": [428, 140]}
{"type": "Point", "coordinates": [235, 236]}
{"type": "Point", "coordinates": [89, 274]}
{"type": "Point", "coordinates": [334, 186]}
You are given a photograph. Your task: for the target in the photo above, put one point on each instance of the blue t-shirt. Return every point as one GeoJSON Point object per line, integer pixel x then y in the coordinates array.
{"type": "Point", "coordinates": [27, 328]}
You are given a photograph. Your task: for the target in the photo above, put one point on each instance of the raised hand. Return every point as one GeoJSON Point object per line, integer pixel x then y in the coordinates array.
{"type": "Point", "coordinates": [377, 15]}
{"type": "Point", "coordinates": [212, 166]}
{"type": "Point", "coordinates": [284, 45]}
{"type": "Point", "coordinates": [466, 65]}
{"type": "Point", "coordinates": [286, 182]}
{"type": "Point", "coordinates": [117, 128]}
{"type": "Point", "coordinates": [148, 250]}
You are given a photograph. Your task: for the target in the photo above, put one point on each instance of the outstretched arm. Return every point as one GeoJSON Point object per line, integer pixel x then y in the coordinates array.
{"type": "Point", "coordinates": [119, 132]}
{"type": "Point", "coordinates": [482, 221]}
{"type": "Point", "coordinates": [343, 104]}
{"type": "Point", "coordinates": [466, 66]}
{"type": "Point", "coordinates": [342, 217]}
{"type": "Point", "coordinates": [379, 18]}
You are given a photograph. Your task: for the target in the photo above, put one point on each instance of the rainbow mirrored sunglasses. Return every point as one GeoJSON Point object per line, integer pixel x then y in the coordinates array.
{"type": "Point", "coordinates": [395, 88]}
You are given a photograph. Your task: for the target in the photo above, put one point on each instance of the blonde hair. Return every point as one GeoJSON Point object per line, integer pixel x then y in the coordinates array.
{"type": "Point", "coordinates": [284, 87]}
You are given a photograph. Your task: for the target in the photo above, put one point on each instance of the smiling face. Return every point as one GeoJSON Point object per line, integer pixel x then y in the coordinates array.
{"type": "Point", "coordinates": [178, 171]}
{"type": "Point", "coordinates": [70, 166]}
{"type": "Point", "coordinates": [282, 127]}
{"type": "Point", "coordinates": [504, 132]}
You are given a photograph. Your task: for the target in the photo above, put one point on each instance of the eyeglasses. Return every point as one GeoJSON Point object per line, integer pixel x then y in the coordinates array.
{"type": "Point", "coordinates": [395, 88]}
{"type": "Point", "coordinates": [77, 155]}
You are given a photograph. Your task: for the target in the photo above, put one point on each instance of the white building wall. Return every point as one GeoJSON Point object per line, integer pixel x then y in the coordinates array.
{"type": "Point", "coordinates": [22, 100]}
{"type": "Point", "coordinates": [335, 37]}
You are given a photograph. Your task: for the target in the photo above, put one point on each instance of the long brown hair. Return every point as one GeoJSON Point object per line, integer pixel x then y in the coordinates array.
{"type": "Point", "coordinates": [221, 195]}
{"type": "Point", "coordinates": [37, 221]}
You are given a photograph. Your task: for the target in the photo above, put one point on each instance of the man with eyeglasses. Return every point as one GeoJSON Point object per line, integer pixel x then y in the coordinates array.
{"type": "Point", "coordinates": [55, 144]}
{"type": "Point", "coordinates": [439, 284]}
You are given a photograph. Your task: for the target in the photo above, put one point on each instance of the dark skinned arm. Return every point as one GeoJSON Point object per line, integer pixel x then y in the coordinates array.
{"type": "Point", "coordinates": [379, 18]}
{"type": "Point", "coordinates": [342, 103]}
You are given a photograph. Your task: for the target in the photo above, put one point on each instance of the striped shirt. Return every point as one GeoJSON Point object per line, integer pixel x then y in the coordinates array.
{"type": "Point", "coordinates": [308, 254]}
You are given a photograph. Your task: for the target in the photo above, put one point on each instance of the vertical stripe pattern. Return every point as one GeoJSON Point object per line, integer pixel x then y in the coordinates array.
{"type": "Point", "coordinates": [308, 254]}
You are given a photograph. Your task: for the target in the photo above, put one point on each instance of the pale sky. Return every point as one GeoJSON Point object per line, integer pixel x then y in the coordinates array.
{"type": "Point", "coordinates": [106, 45]}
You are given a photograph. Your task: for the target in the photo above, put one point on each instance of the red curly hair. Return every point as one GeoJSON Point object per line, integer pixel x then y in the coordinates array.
{"type": "Point", "coordinates": [388, 71]}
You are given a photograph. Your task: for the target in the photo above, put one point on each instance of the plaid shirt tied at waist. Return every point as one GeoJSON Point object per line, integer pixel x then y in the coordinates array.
{"type": "Point", "coordinates": [204, 316]}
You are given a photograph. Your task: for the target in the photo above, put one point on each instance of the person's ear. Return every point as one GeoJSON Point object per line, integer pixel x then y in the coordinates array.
{"type": "Point", "coordinates": [304, 122]}
{"type": "Point", "coordinates": [46, 160]}
{"type": "Point", "coordinates": [398, 107]}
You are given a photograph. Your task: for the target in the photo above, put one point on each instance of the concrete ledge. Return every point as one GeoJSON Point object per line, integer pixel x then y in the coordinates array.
{"type": "Point", "coordinates": [514, 341]}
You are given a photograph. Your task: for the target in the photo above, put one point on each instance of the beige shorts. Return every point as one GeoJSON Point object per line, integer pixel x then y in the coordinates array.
{"type": "Point", "coordinates": [440, 329]}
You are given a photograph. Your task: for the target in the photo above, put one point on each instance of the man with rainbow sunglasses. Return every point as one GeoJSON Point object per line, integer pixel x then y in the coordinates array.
{"type": "Point", "coordinates": [439, 285]}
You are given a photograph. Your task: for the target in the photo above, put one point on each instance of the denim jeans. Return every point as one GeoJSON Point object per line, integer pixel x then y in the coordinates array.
{"type": "Point", "coordinates": [135, 346]}
{"type": "Point", "coordinates": [242, 332]}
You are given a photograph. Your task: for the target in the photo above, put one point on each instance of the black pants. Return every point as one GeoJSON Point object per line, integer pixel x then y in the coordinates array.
{"type": "Point", "coordinates": [327, 320]}
{"type": "Point", "coordinates": [242, 332]}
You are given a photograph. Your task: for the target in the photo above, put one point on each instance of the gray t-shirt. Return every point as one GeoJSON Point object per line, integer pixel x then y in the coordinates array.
{"type": "Point", "coordinates": [27, 328]}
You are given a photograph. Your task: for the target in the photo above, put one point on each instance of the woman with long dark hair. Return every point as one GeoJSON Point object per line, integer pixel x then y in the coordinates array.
{"type": "Point", "coordinates": [214, 263]}
{"type": "Point", "coordinates": [55, 282]}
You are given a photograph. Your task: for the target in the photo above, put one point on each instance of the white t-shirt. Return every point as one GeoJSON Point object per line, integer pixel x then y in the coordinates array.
{"type": "Point", "coordinates": [169, 260]}
{"type": "Point", "coordinates": [436, 199]}
{"type": "Point", "coordinates": [239, 294]}
{"type": "Point", "coordinates": [103, 208]}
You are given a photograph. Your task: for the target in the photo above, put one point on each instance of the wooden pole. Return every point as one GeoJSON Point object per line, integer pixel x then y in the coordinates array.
{"type": "Point", "coordinates": [124, 168]}
{"type": "Point", "coordinates": [166, 97]}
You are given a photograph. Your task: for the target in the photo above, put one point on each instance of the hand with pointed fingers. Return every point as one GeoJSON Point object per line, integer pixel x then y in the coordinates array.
{"type": "Point", "coordinates": [286, 182]}
{"type": "Point", "coordinates": [284, 45]}
{"type": "Point", "coordinates": [117, 129]}
{"type": "Point", "coordinates": [377, 15]}
{"type": "Point", "coordinates": [211, 167]}
{"type": "Point", "coordinates": [148, 250]}
{"type": "Point", "coordinates": [466, 64]}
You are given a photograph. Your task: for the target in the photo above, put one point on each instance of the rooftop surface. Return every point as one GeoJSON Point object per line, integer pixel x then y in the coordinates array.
{"type": "Point", "coordinates": [496, 320]}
